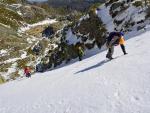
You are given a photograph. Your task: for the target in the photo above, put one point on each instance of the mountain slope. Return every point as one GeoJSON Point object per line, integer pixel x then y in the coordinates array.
{"type": "Point", "coordinates": [23, 26]}
{"type": "Point", "coordinates": [93, 85]}
{"type": "Point", "coordinates": [21, 30]}
{"type": "Point", "coordinates": [124, 15]}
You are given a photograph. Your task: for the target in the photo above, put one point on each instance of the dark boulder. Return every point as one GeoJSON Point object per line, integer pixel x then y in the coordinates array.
{"type": "Point", "coordinates": [48, 32]}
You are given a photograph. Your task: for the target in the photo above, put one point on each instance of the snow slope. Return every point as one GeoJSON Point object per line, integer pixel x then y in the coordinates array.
{"type": "Point", "coordinates": [94, 85]}
{"type": "Point", "coordinates": [103, 13]}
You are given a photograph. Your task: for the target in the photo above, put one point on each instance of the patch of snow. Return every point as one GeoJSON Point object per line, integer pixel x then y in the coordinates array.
{"type": "Point", "coordinates": [5, 25]}
{"type": "Point", "coordinates": [84, 17]}
{"type": "Point", "coordinates": [106, 18]}
{"type": "Point", "coordinates": [2, 52]}
{"type": "Point", "coordinates": [71, 38]}
{"type": "Point", "coordinates": [21, 72]}
{"type": "Point", "coordinates": [138, 17]}
{"type": "Point", "coordinates": [14, 59]}
{"type": "Point", "coordinates": [12, 69]}
{"type": "Point", "coordinates": [24, 55]}
{"type": "Point", "coordinates": [11, 60]}
{"type": "Point", "coordinates": [19, 12]}
{"type": "Point", "coordinates": [89, 41]}
{"type": "Point", "coordinates": [148, 27]}
{"type": "Point", "coordinates": [29, 40]}
{"type": "Point", "coordinates": [29, 26]}
{"type": "Point", "coordinates": [16, 5]}
{"type": "Point", "coordinates": [54, 45]}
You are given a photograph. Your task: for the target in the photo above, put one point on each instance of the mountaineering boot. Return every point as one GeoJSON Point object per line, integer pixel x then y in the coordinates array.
{"type": "Point", "coordinates": [125, 53]}
{"type": "Point", "coordinates": [109, 56]}
{"type": "Point", "coordinates": [123, 49]}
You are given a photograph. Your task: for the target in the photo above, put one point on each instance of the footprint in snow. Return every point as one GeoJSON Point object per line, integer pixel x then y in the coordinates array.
{"type": "Point", "coordinates": [135, 98]}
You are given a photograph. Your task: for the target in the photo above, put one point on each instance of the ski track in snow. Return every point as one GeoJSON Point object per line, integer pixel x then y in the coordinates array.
{"type": "Point", "coordinates": [94, 85]}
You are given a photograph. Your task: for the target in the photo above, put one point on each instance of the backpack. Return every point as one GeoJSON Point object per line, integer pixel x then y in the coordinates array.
{"type": "Point", "coordinates": [111, 35]}
{"type": "Point", "coordinates": [121, 33]}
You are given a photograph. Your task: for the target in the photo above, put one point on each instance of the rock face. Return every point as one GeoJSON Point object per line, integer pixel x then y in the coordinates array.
{"type": "Point", "coordinates": [17, 44]}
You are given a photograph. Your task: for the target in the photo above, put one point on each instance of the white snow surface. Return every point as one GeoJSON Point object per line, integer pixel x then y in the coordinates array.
{"type": "Point", "coordinates": [94, 85]}
{"type": "Point", "coordinates": [103, 13]}
{"type": "Point", "coordinates": [71, 38]}
{"type": "Point", "coordinates": [3, 52]}
{"type": "Point", "coordinates": [16, 5]}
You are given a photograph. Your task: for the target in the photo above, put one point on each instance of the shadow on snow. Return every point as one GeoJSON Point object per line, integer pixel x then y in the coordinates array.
{"type": "Point", "coordinates": [94, 66]}
{"type": "Point", "coordinates": [97, 65]}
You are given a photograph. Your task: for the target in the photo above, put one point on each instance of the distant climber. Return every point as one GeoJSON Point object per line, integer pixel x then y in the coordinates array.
{"type": "Point", "coordinates": [80, 52]}
{"type": "Point", "coordinates": [39, 67]}
{"type": "Point", "coordinates": [114, 39]}
{"type": "Point", "coordinates": [43, 65]}
{"type": "Point", "coordinates": [27, 71]}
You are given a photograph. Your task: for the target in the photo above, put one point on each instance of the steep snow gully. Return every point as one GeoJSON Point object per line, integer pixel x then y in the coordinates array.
{"type": "Point", "coordinates": [94, 85]}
